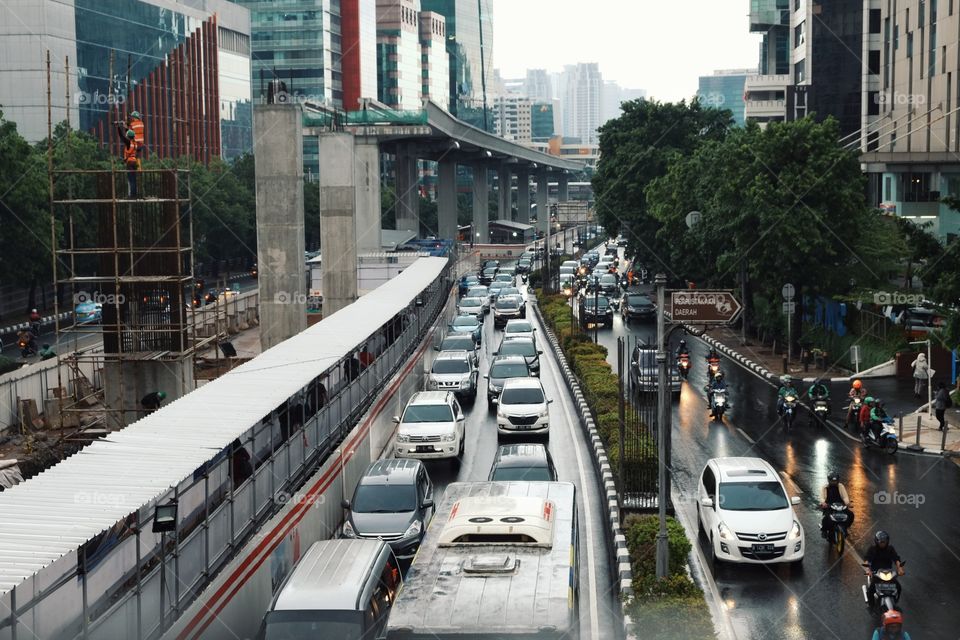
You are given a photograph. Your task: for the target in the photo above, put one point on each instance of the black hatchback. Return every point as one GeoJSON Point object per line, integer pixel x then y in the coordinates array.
{"type": "Point", "coordinates": [530, 462]}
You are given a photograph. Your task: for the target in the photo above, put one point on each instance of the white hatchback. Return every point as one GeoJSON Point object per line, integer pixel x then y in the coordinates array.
{"type": "Point", "coordinates": [523, 408]}
{"type": "Point", "coordinates": [745, 513]}
{"type": "Point", "coordinates": [519, 329]}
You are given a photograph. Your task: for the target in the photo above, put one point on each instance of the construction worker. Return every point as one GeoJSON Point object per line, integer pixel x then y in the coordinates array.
{"type": "Point", "coordinates": [130, 159]}
{"type": "Point", "coordinates": [151, 402]}
{"type": "Point", "coordinates": [135, 124]}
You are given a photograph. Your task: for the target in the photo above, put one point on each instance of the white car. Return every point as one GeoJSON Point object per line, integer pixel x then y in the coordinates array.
{"type": "Point", "coordinates": [431, 427]}
{"type": "Point", "coordinates": [471, 306]}
{"type": "Point", "coordinates": [519, 329]}
{"type": "Point", "coordinates": [744, 512]}
{"type": "Point", "coordinates": [482, 292]}
{"type": "Point", "coordinates": [523, 407]}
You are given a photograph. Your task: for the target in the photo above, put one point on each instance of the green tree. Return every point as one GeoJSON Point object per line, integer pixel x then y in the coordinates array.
{"type": "Point", "coordinates": [224, 214]}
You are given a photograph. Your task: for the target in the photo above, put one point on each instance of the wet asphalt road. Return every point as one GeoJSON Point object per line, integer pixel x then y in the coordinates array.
{"type": "Point", "coordinates": [912, 497]}
{"type": "Point", "coordinates": [568, 446]}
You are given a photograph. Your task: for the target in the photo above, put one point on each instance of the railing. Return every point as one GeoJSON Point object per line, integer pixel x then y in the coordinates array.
{"type": "Point", "coordinates": [362, 118]}
{"type": "Point", "coordinates": [117, 577]}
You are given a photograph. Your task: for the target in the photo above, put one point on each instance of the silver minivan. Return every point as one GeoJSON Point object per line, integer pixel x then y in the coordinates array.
{"type": "Point", "coordinates": [339, 589]}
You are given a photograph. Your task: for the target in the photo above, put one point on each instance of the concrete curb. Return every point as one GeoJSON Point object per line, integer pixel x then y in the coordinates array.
{"type": "Point", "coordinates": [615, 535]}
{"type": "Point", "coordinates": [44, 321]}
{"type": "Point", "coordinates": [771, 378]}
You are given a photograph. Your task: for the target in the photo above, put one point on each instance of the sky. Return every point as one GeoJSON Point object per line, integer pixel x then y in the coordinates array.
{"type": "Point", "coordinates": [662, 46]}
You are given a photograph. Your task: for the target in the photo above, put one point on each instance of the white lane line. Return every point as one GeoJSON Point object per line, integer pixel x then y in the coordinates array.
{"type": "Point", "coordinates": [587, 508]}
{"type": "Point", "coordinates": [744, 434]}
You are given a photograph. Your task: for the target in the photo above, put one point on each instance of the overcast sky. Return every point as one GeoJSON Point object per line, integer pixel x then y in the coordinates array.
{"type": "Point", "coordinates": [662, 46]}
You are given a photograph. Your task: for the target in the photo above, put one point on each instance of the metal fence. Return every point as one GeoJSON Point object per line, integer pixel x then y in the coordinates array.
{"type": "Point", "coordinates": [636, 470]}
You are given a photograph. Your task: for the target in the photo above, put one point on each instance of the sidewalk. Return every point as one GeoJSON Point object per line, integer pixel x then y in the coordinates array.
{"type": "Point", "coordinates": [896, 393]}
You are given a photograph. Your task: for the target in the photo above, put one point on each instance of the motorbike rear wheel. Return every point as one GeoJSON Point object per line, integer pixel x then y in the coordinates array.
{"type": "Point", "coordinates": [839, 540]}
{"type": "Point", "coordinates": [890, 446]}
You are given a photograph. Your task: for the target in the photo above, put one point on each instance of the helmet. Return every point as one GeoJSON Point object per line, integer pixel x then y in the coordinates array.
{"type": "Point", "coordinates": [868, 399]}
{"type": "Point", "coordinates": [683, 343]}
{"type": "Point", "coordinates": [786, 379]}
{"type": "Point", "coordinates": [33, 310]}
{"type": "Point", "coordinates": [131, 134]}
{"type": "Point", "coordinates": [857, 384]}
{"type": "Point", "coordinates": [881, 537]}
{"type": "Point", "coordinates": [719, 376]}
{"type": "Point", "coordinates": [135, 114]}
{"type": "Point", "coordinates": [892, 617]}
{"type": "Point", "coordinates": [162, 395]}
{"type": "Point", "coordinates": [834, 476]}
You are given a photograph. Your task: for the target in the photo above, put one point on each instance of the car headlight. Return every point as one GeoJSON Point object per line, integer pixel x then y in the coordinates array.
{"type": "Point", "coordinates": [432, 383]}
{"type": "Point", "coordinates": [414, 529]}
{"type": "Point", "coordinates": [348, 531]}
{"type": "Point", "coordinates": [795, 532]}
{"type": "Point", "coordinates": [465, 383]}
{"type": "Point", "coordinates": [500, 412]}
{"type": "Point", "coordinates": [725, 533]}
{"type": "Point", "coordinates": [403, 438]}
{"type": "Point", "coordinates": [543, 414]}
{"type": "Point", "coordinates": [448, 437]}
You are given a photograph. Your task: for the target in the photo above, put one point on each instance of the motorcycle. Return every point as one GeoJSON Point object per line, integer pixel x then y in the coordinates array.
{"type": "Point", "coordinates": [718, 404]}
{"type": "Point", "coordinates": [713, 368]}
{"type": "Point", "coordinates": [882, 589]}
{"type": "Point", "coordinates": [853, 410]}
{"type": "Point", "coordinates": [838, 517]}
{"type": "Point", "coordinates": [887, 440]}
{"type": "Point", "coordinates": [523, 278]}
{"type": "Point", "coordinates": [28, 346]}
{"type": "Point", "coordinates": [789, 410]}
{"type": "Point", "coordinates": [820, 412]}
{"type": "Point", "coordinates": [683, 365]}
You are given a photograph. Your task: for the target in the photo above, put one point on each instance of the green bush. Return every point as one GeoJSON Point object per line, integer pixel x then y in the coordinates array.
{"type": "Point", "coordinates": [672, 618]}
{"type": "Point", "coordinates": [641, 532]}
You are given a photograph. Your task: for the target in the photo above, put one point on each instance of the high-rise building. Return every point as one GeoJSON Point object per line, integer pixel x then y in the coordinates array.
{"type": "Point", "coordinates": [542, 120]}
{"type": "Point", "coordinates": [358, 33]}
{"type": "Point", "coordinates": [399, 58]}
{"type": "Point", "coordinates": [512, 118]}
{"type": "Point", "coordinates": [765, 94]}
{"type": "Point", "coordinates": [582, 102]}
{"type": "Point", "coordinates": [538, 85]}
{"type": "Point", "coordinates": [142, 38]}
{"type": "Point", "coordinates": [724, 90]}
{"type": "Point", "coordinates": [470, 47]}
{"type": "Point", "coordinates": [435, 63]}
{"type": "Point", "coordinates": [613, 96]}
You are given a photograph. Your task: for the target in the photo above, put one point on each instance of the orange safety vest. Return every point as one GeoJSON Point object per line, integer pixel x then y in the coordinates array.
{"type": "Point", "coordinates": [130, 154]}
{"type": "Point", "coordinates": [136, 124]}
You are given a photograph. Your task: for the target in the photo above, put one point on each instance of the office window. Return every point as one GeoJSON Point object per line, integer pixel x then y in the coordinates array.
{"type": "Point", "coordinates": [921, 14]}
{"type": "Point", "coordinates": [932, 63]}
{"type": "Point", "coordinates": [933, 11]}
{"type": "Point", "coordinates": [798, 71]}
{"type": "Point", "coordinates": [910, 45]}
{"type": "Point", "coordinates": [798, 34]}
{"type": "Point", "coordinates": [873, 103]}
{"type": "Point", "coordinates": [896, 37]}
{"type": "Point", "coordinates": [873, 61]}
{"type": "Point", "coordinates": [796, 5]}
{"type": "Point", "coordinates": [887, 188]}
{"type": "Point", "coordinates": [874, 20]}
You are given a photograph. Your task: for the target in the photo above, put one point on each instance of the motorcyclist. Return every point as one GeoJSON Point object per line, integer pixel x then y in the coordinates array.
{"type": "Point", "coordinates": [786, 389]}
{"type": "Point", "coordinates": [716, 384]}
{"type": "Point", "coordinates": [682, 349]}
{"type": "Point", "coordinates": [876, 419]}
{"type": "Point", "coordinates": [713, 358]}
{"type": "Point", "coordinates": [27, 341]}
{"type": "Point", "coordinates": [882, 555]}
{"type": "Point", "coordinates": [857, 390]}
{"type": "Point", "coordinates": [864, 418]}
{"type": "Point", "coordinates": [832, 493]}
{"type": "Point", "coordinates": [819, 391]}
{"type": "Point", "coordinates": [892, 628]}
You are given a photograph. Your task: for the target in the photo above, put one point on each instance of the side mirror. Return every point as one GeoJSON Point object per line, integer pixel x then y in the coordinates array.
{"type": "Point", "coordinates": [396, 419]}
{"type": "Point", "coordinates": [496, 353]}
{"type": "Point", "coordinates": [486, 377]}
{"type": "Point", "coordinates": [795, 500]}
{"type": "Point", "coordinates": [539, 353]}
{"type": "Point", "coordinates": [460, 417]}
{"type": "Point", "coordinates": [706, 503]}
{"type": "Point", "coordinates": [549, 401]}
{"type": "Point", "coordinates": [436, 347]}
{"type": "Point", "coordinates": [345, 504]}
{"type": "Point", "coordinates": [427, 503]}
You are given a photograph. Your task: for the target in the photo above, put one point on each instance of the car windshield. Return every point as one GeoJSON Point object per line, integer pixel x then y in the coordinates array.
{"type": "Point", "coordinates": [533, 474]}
{"type": "Point", "coordinates": [471, 302]}
{"type": "Point", "coordinates": [456, 343]}
{"type": "Point", "coordinates": [507, 303]}
{"type": "Point", "coordinates": [478, 292]}
{"type": "Point", "coordinates": [465, 321]}
{"type": "Point", "coordinates": [450, 365]}
{"type": "Point", "coordinates": [608, 278]}
{"type": "Point", "coordinates": [509, 291]}
{"type": "Point", "coordinates": [509, 370]}
{"type": "Point", "coordinates": [638, 301]}
{"type": "Point", "coordinates": [428, 413]}
{"type": "Point", "coordinates": [384, 498]}
{"type": "Point", "coordinates": [489, 272]}
{"type": "Point", "coordinates": [525, 395]}
{"type": "Point", "coordinates": [752, 496]}
{"type": "Point", "coordinates": [519, 327]}
{"type": "Point", "coordinates": [504, 277]}
{"type": "Point", "coordinates": [517, 348]}
{"type": "Point", "coordinates": [292, 625]}
{"type": "Point", "coordinates": [601, 301]}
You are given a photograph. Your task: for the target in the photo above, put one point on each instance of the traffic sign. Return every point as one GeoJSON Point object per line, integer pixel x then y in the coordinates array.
{"type": "Point", "coordinates": [788, 291]}
{"type": "Point", "coordinates": [789, 307]}
{"type": "Point", "coordinates": [703, 307]}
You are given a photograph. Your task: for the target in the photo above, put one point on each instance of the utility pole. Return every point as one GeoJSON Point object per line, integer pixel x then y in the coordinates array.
{"type": "Point", "coordinates": [663, 429]}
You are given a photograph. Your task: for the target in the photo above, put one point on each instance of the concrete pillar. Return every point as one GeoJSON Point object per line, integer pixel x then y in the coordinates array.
{"type": "Point", "coordinates": [368, 218]}
{"type": "Point", "coordinates": [523, 195]}
{"type": "Point", "coordinates": [563, 191]}
{"type": "Point", "coordinates": [505, 210]}
{"type": "Point", "coordinates": [126, 381]}
{"type": "Point", "coordinates": [543, 206]}
{"type": "Point", "coordinates": [447, 198]}
{"type": "Point", "coordinates": [408, 190]}
{"type": "Point", "coordinates": [278, 159]}
{"type": "Point", "coordinates": [481, 213]}
{"type": "Point", "coordinates": [338, 231]}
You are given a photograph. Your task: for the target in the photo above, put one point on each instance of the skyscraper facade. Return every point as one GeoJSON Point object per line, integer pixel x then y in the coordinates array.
{"type": "Point", "coordinates": [358, 32]}
{"type": "Point", "coordinates": [724, 90]}
{"type": "Point", "coordinates": [512, 117]}
{"type": "Point", "coordinates": [542, 120]}
{"type": "Point", "coordinates": [399, 59]}
{"type": "Point", "coordinates": [435, 63]}
{"type": "Point", "coordinates": [583, 95]}
{"type": "Point", "coordinates": [538, 85]}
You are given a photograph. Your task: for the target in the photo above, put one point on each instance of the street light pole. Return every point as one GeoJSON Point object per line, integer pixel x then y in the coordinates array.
{"type": "Point", "coordinates": [663, 428]}
{"type": "Point", "coordinates": [596, 311]}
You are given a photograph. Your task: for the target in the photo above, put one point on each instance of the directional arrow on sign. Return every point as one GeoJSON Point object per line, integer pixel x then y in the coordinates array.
{"type": "Point", "coordinates": [703, 307]}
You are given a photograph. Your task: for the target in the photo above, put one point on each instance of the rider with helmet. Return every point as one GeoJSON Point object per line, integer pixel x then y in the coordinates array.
{"type": "Point", "coordinates": [819, 391]}
{"type": "Point", "coordinates": [713, 358]}
{"type": "Point", "coordinates": [786, 389]}
{"type": "Point", "coordinates": [682, 349]}
{"type": "Point", "coordinates": [882, 555]}
{"type": "Point", "coordinates": [864, 418]}
{"type": "Point", "coordinates": [832, 493]}
{"type": "Point", "coordinates": [876, 418]}
{"type": "Point", "coordinates": [892, 628]}
{"type": "Point", "coordinates": [857, 390]}
{"type": "Point", "coordinates": [717, 383]}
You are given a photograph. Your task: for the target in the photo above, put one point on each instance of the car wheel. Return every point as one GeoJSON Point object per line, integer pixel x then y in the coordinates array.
{"type": "Point", "coordinates": [700, 530]}
{"type": "Point", "coordinates": [460, 452]}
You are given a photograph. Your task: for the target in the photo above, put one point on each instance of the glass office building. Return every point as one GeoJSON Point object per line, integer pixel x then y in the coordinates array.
{"type": "Point", "coordinates": [724, 90]}
{"type": "Point", "coordinates": [468, 23]}
{"type": "Point", "coordinates": [541, 121]}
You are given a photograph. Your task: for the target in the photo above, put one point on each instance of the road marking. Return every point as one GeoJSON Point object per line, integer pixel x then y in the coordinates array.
{"type": "Point", "coordinates": [790, 481]}
{"type": "Point", "coordinates": [744, 434]}
{"type": "Point", "coordinates": [588, 510]}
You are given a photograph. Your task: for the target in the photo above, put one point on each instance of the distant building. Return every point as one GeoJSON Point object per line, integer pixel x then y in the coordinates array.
{"type": "Point", "coordinates": [358, 62]}
{"type": "Point", "coordinates": [512, 118]}
{"type": "Point", "coordinates": [613, 96]}
{"type": "Point", "coordinates": [582, 99]}
{"type": "Point", "coordinates": [538, 85]}
{"type": "Point", "coordinates": [399, 57]}
{"type": "Point", "coordinates": [542, 119]}
{"type": "Point", "coordinates": [724, 90]}
{"type": "Point", "coordinates": [435, 63]}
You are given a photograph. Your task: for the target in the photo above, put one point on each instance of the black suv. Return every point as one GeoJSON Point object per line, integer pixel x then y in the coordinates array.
{"type": "Point", "coordinates": [595, 310]}
{"type": "Point", "coordinates": [638, 307]}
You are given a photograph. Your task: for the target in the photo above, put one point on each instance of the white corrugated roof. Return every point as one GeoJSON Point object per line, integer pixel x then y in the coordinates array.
{"type": "Point", "coordinates": [55, 512]}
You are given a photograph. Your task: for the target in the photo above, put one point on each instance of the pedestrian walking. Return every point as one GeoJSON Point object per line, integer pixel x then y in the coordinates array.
{"type": "Point", "coordinates": [921, 374]}
{"type": "Point", "coordinates": [942, 402]}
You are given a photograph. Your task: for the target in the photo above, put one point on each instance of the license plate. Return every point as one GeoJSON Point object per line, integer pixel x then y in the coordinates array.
{"type": "Point", "coordinates": [763, 548]}
{"type": "Point", "coordinates": [425, 448]}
